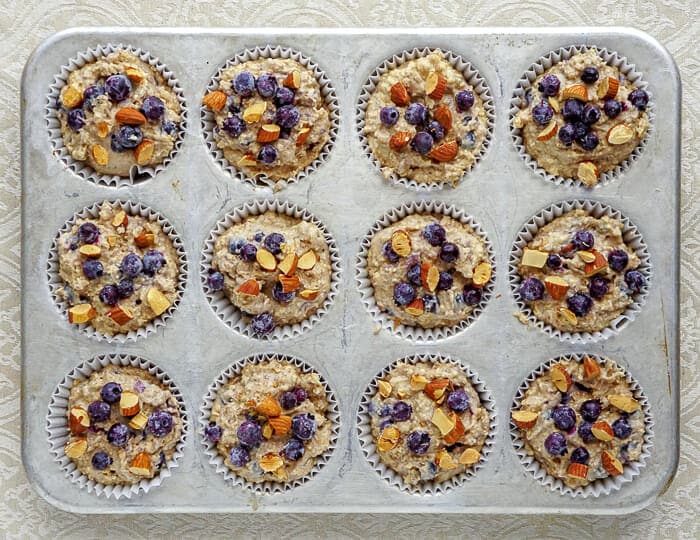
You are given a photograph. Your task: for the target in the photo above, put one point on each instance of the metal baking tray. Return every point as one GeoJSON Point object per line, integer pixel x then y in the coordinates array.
{"type": "Point", "coordinates": [348, 195]}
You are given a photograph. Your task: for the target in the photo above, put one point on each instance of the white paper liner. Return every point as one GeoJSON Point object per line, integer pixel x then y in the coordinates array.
{"type": "Point", "coordinates": [416, 333]}
{"type": "Point", "coordinates": [632, 238]}
{"type": "Point", "coordinates": [327, 93]}
{"type": "Point", "coordinates": [230, 314]}
{"type": "Point", "coordinates": [218, 461]}
{"type": "Point", "coordinates": [603, 486]}
{"type": "Point", "coordinates": [471, 75]}
{"type": "Point", "coordinates": [544, 63]}
{"type": "Point", "coordinates": [369, 447]}
{"type": "Point", "coordinates": [59, 434]}
{"type": "Point", "coordinates": [138, 173]}
{"type": "Point", "coordinates": [132, 209]}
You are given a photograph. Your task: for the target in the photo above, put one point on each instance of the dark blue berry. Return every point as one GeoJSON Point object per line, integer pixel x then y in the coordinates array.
{"type": "Point", "coordinates": [445, 282]}
{"type": "Point", "coordinates": [235, 245]}
{"type": "Point", "coordinates": [262, 324]}
{"type": "Point", "coordinates": [238, 456]}
{"type": "Point", "coordinates": [118, 435]}
{"type": "Point", "coordinates": [471, 295]}
{"type": "Point", "coordinates": [168, 126]}
{"type": "Point", "coordinates": [109, 295]}
{"type": "Point", "coordinates": [258, 237]}
{"type": "Point", "coordinates": [429, 303]}
{"type": "Point", "coordinates": [580, 455]}
{"type": "Point", "coordinates": [88, 233]}
{"type": "Point", "coordinates": [584, 431]}
{"type": "Point", "coordinates": [580, 132]}
{"type": "Point", "coordinates": [129, 137]}
{"type": "Point", "coordinates": [418, 442]}
{"type": "Point", "coordinates": [303, 426]}
{"type": "Point", "coordinates": [213, 432]}
{"type": "Point", "coordinates": [566, 134]}
{"type": "Point", "coordinates": [300, 394]}
{"type": "Point", "coordinates": [153, 260]}
{"type": "Point", "coordinates": [249, 433]}
{"type": "Point", "coordinates": [111, 392]}
{"type": "Point", "coordinates": [590, 410]}
{"type": "Point", "coordinates": [153, 108]}
{"type": "Point", "coordinates": [234, 125]}
{"type": "Point", "coordinates": [598, 287]}
{"type": "Point", "coordinates": [458, 400]}
{"type": "Point", "coordinates": [583, 240]}
{"type": "Point", "coordinates": [639, 98]}
{"type": "Point", "coordinates": [436, 131]}
{"type": "Point", "coordinates": [553, 261]}
{"type": "Point", "coordinates": [267, 154]}
{"type": "Point", "coordinates": [416, 114]}
{"type": "Point", "coordinates": [572, 110]}
{"type": "Point", "coordinates": [635, 280]}
{"type": "Point", "coordinates": [99, 411]}
{"type": "Point", "coordinates": [422, 142]}
{"type": "Point", "coordinates": [622, 428]}
{"type": "Point", "coordinates": [244, 84]}
{"type": "Point", "coordinates": [389, 115]}
{"type": "Point", "coordinates": [612, 108]}
{"type": "Point", "coordinates": [580, 303]}
{"type": "Point", "coordinates": [283, 96]}
{"type": "Point", "coordinates": [589, 75]}
{"type": "Point", "coordinates": [555, 444]}
{"type": "Point", "coordinates": [618, 259]}
{"type": "Point", "coordinates": [389, 253]}
{"type": "Point", "coordinates": [464, 100]}
{"type": "Point", "coordinates": [117, 87]}
{"type": "Point", "coordinates": [266, 85]}
{"type": "Point", "coordinates": [215, 281]}
{"type": "Point", "coordinates": [288, 400]}
{"type": "Point", "coordinates": [564, 418]}
{"type": "Point", "coordinates": [549, 85]}
{"type": "Point", "coordinates": [287, 116]}
{"type": "Point", "coordinates": [404, 294]}
{"type": "Point", "coordinates": [101, 460]}
{"type": "Point", "coordinates": [160, 423]}
{"type": "Point", "coordinates": [531, 289]}
{"type": "Point", "coordinates": [294, 449]}
{"type": "Point", "coordinates": [435, 234]}
{"type": "Point", "coordinates": [413, 275]}
{"type": "Point", "coordinates": [542, 113]}
{"type": "Point", "coordinates": [92, 269]}
{"type": "Point", "coordinates": [281, 296]}
{"type": "Point", "coordinates": [273, 243]}
{"type": "Point", "coordinates": [90, 94]}
{"type": "Point", "coordinates": [591, 114]}
{"type": "Point", "coordinates": [76, 119]}
{"type": "Point", "coordinates": [125, 288]}
{"type": "Point", "coordinates": [248, 252]}
{"type": "Point", "coordinates": [469, 140]}
{"type": "Point", "coordinates": [589, 142]}
{"type": "Point", "coordinates": [449, 252]}
{"type": "Point", "coordinates": [131, 265]}
{"type": "Point", "coordinates": [401, 411]}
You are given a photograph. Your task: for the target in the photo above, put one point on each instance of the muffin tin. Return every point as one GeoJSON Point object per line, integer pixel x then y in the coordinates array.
{"type": "Point", "coordinates": [348, 195]}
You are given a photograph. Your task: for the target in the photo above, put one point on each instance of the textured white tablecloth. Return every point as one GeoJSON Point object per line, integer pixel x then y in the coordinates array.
{"type": "Point", "coordinates": [25, 23]}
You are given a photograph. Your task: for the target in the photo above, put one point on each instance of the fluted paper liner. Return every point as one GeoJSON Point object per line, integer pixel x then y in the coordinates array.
{"type": "Point", "coordinates": [132, 209]}
{"type": "Point", "coordinates": [544, 63]}
{"type": "Point", "coordinates": [327, 93]}
{"type": "Point", "coordinates": [632, 238]}
{"type": "Point", "coordinates": [138, 173]}
{"type": "Point", "coordinates": [417, 333]}
{"type": "Point", "coordinates": [230, 314]}
{"type": "Point", "coordinates": [602, 486]}
{"type": "Point", "coordinates": [471, 76]}
{"type": "Point", "coordinates": [369, 447]}
{"type": "Point", "coordinates": [59, 434]}
{"type": "Point", "coordinates": [218, 461]}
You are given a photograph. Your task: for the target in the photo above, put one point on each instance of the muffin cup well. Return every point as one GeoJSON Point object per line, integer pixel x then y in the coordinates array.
{"type": "Point", "coordinates": [369, 447]}
{"type": "Point", "coordinates": [132, 209]}
{"type": "Point", "coordinates": [327, 93]}
{"type": "Point", "coordinates": [603, 486]}
{"type": "Point", "coordinates": [471, 75]}
{"type": "Point", "coordinates": [630, 234]}
{"type": "Point", "coordinates": [217, 460]}
{"type": "Point", "coordinates": [138, 173]}
{"type": "Point", "coordinates": [416, 333]}
{"type": "Point", "coordinates": [59, 434]}
{"type": "Point", "coordinates": [231, 315]}
{"type": "Point", "coordinates": [545, 62]}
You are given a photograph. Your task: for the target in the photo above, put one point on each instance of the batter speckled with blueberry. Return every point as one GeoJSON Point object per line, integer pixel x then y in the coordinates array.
{"type": "Point", "coordinates": [270, 116]}
{"type": "Point", "coordinates": [582, 118]}
{"type": "Point", "coordinates": [428, 421]}
{"type": "Point", "coordinates": [124, 425]}
{"type": "Point", "coordinates": [578, 275]}
{"type": "Point", "coordinates": [270, 422]}
{"type": "Point", "coordinates": [117, 112]}
{"type": "Point", "coordinates": [428, 270]}
{"type": "Point", "coordinates": [581, 421]}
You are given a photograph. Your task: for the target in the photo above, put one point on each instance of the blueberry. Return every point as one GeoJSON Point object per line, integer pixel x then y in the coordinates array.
{"type": "Point", "coordinates": [584, 431]}
{"type": "Point", "coordinates": [281, 296]}
{"type": "Point", "coordinates": [99, 411]}
{"type": "Point", "coordinates": [258, 237]}
{"type": "Point", "coordinates": [88, 233]}
{"type": "Point", "coordinates": [583, 240]}
{"type": "Point", "coordinates": [580, 455]}
{"type": "Point", "coordinates": [294, 449]}
{"type": "Point", "coordinates": [590, 410]}
{"type": "Point", "coordinates": [168, 126]}
{"type": "Point", "coordinates": [418, 442]}
{"type": "Point", "coordinates": [249, 433]}
{"type": "Point", "coordinates": [618, 259]}
{"type": "Point", "coordinates": [288, 400]}
{"type": "Point", "coordinates": [471, 295]}
{"type": "Point", "coordinates": [542, 113]}
{"type": "Point", "coordinates": [435, 234]}
{"type": "Point", "coordinates": [244, 84]}
{"type": "Point", "coordinates": [436, 131]}
{"type": "Point", "coordinates": [131, 265]}
{"type": "Point", "coordinates": [385, 411]}
{"type": "Point", "coordinates": [422, 142]}
{"type": "Point", "coordinates": [389, 115]}
{"type": "Point", "coordinates": [591, 114]}
{"type": "Point", "coordinates": [580, 131]}
{"type": "Point", "coordinates": [235, 245]}
{"type": "Point", "coordinates": [238, 456]}
{"type": "Point", "coordinates": [153, 260]}
{"type": "Point", "coordinates": [262, 324]}
{"type": "Point", "coordinates": [612, 108]}
{"type": "Point", "coordinates": [114, 143]}
{"type": "Point", "coordinates": [589, 142]}
{"type": "Point", "coordinates": [639, 98]}
{"type": "Point", "coordinates": [549, 85]}
{"type": "Point", "coordinates": [389, 253]}
{"type": "Point", "coordinates": [555, 444]}
{"type": "Point", "coordinates": [449, 252]}
{"type": "Point", "coordinates": [458, 400]}
{"type": "Point", "coordinates": [404, 294]}
{"type": "Point", "coordinates": [76, 119]}
{"type": "Point", "coordinates": [303, 426]}
{"type": "Point", "coordinates": [580, 303]}
{"type": "Point", "coordinates": [401, 411]}
{"type": "Point", "coordinates": [273, 243]}
{"type": "Point", "coordinates": [464, 100]}
{"type": "Point", "coordinates": [266, 85]}
{"type": "Point", "coordinates": [553, 261]}
{"type": "Point", "coordinates": [598, 287]}
{"type": "Point", "coordinates": [118, 435]}
{"type": "Point", "coordinates": [111, 392]}
{"type": "Point", "coordinates": [160, 423]}
{"type": "Point", "coordinates": [267, 154]}
{"type": "Point", "coordinates": [564, 418]}
{"type": "Point", "coordinates": [125, 288]}
{"type": "Point", "coordinates": [416, 114]}
{"type": "Point", "coordinates": [213, 432]}
{"type": "Point", "coordinates": [300, 394]}
{"type": "Point", "coordinates": [287, 116]}
{"type": "Point", "coordinates": [153, 108]}
{"type": "Point", "coordinates": [234, 125]}
{"type": "Point", "coordinates": [283, 96]}
{"type": "Point", "coordinates": [248, 252]}
{"type": "Point", "coordinates": [101, 460]}
{"type": "Point", "coordinates": [215, 280]}
{"type": "Point", "coordinates": [92, 269]}
{"type": "Point", "coordinates": [445, 282]}
{"type": "Point", "coordinates": [109, 295]}
{"type": "Point", "coordinates": [469, 140]}
{"type": "Point", "coordinates": [572, 110]}
{"type": "Point", "coordinates": [566, 134]}
{"type": "Point", "coordinates": [635, 280]}
{"type": "Point", "coordinates": [429, 303]}
{"type": "Point", "coordinates": [531, 289]}
{"type": "Point", "coordinates": [589, 75]}
{"type": "Point", "coordinates": [413, 275]}
{"type": "Point", "coordinates": [129, 137]}
{"type": "Point", "coordinates": [622, 428]}
{"type": "Point", "coordinates": [91, 93]}
{"type": "Point", "coordinates": [117, 87]}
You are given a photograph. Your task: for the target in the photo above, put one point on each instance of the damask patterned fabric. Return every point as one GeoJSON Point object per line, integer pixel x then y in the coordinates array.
{"type": "Point", "coordinates": [26, 23]}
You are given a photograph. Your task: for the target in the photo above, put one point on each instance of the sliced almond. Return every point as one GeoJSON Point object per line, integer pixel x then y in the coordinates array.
{"type": "Point", "coordinates": [293, 80]}
{"type": "Point", "coordinates": [444, 460]}
{"type": "Point", "coordinates": [120, 219]}
{"type": "Point", "coordinates": [158, 302]}
{"type": "Point", "coordinates": [457, 432]}
{"type": "Point", "coordinates": [482, 274]}
{"type": "Point", "coordinates": [75, 448]}
{"type": "Point", "coordinates": [602, 431]}
{"type": "Point", "coordinates": [266, 260]}
{"type": "Point", "coordinates": [78, 420]}
{"type": "Point", "coordinates": [401, 243]}
{"type": "Point", "coordinates": [129, 403]}
{"type": "Point", "coordinates": [130, 116]}
{"type": "Point", "coordinates": [445, 152]}
{"type": "Point", "coordinates": [568, 315]}
{"type": "Point", "coordinates": [435, 85]}
{"type": "Point", "coordinates": [215, 100]}
{"type": "Point", "coordinates": [250, 287]}
{"type": "Point", "coordinates": [144, 152]}
{"type": "Point", "coordinates": [586, 256]}
{"type": "Point", "coordinates": [302, 136]}
{"type": "Point", "coordinates": [90, 250]}
{"type": "Point", "coordinates": [268, 133]}
{"type": "Point", "coordinates": [270, 462]}
{"type": "Point", "coordinates": [576, 91]}
{"type": "Point", "coordinates": [134, 74]}
{"type": "Point", "coordinates": [247, 161]}
{"type": "Point", "coordinates": [400, 139]}
{"type": "Point", "coordinates": [269, 407]}
{"type": "Point", "coordinates": [469, 457]}
{"type": "Point", "coordinates": [139, 421]}
{"type": "Point", "coordinates": [619, 134]}
{"type": "Point", "coordinates": [309, 294]}
{"type": "Point", "coordinates": [289, 264]}
{"type": "Point", "coordinates": [429, 276]}
{"type": "Point", "coordinates": [388, 438]}
{"type": "Point", "coordinates": [443, 116]}
{"type": "Point", "coordinates": [554, 104]}
{"type": "Point", "coordinates": [254, 112]}
{"type": "Point", "coordinates": [624, 403]}
{"type": "Point", "coordinates": [144, 239]}
{"type": "Point", "coordinates": [289, 283]}
{"type": "Point", "coordinates": [577, 470]}
{"type": "Point", "coordinates": [443, 422]}
{"type": "Point", "coordinates": [524, 419]}
{"type": "Point", "coordinates": [435, 389]}
{"type": "Point", "coordinates": [556, 287]}
{"type": "Point", "coordinates": [611, 464]}
{"type": "Point", "coordinates": [112, 240]}
{"type": "Point", "coordinates": [307, 261]}
{"type": "Point", "coordinates": [416, 308]}
{"type": "Point", "coordinates": [99, 154]}
{"type": "Point", "coordinates": [81, 313]}
{"type": "Point", "coordinates": [534, 258]}
{"type": "Point", "coordinates": [560, 377]}
{"type": "Point", "coordinates": [549, 131]}
{"type": "Point", "coordinates": [608, 87]}
{"type": "Point", "coordinates": [385, 388]}
{"type": "Point", "coordinates": [399, 94]}
{"type": "Point", "coordinates": [102, 130]}
{"type": "Point", "coordinates": [596, 266]}
{"type": "Point", "coordinates": [418, 382]}
{"type": "Point", "coordinates": [71, 97]}
{"type": "Point", "coordinates": [587, 173]}
{"type": "Point", "coordinates": [281, 424]}
{"type": "Point", "coordinates": [268, 431]}
{"type": "Point", "coordinates": [120, 314]}
{"type": "Point", "coordinates": [591, 369]}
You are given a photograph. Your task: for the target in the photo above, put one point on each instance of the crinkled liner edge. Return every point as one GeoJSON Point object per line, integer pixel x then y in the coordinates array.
{"type": "Point", "coordinates": [328, 94]}
{"type": "Point", "coordinates": [602, 486]}
{"type": "Point", "coordinates": [58, 433]}
{"type": "Point", "coordinates": [544, 63]}
{"type": "Point", "coordinates": [632, 238]}
{"type": "Point", "coordinates": [471, 76]}
{"type": "Point", "coordinates": [369, 448]}
{"type": "Point", "coordinates": [217, 460]}
{"type": "Point", "coordinates": [231, 315]}
{"type": "Point", "coordinates": [416, 333]}
{"type": "Point", "coordinates": [138, 173]}
{"type": "Point", "coordinates": [133, 209]}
